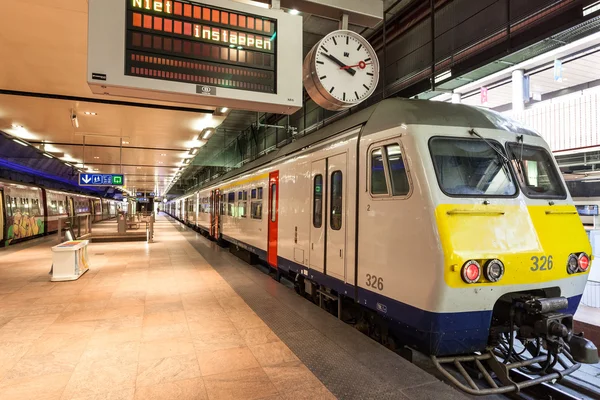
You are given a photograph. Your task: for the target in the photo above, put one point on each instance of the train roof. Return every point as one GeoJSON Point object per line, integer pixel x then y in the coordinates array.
{"type": "Point", "coordinates": [385, 115]}
{"type": "Point", "coordinates": [396, 111]}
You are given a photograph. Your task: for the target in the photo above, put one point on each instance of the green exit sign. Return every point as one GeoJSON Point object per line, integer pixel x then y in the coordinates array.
{"type": "Point", "coordinates": [117, 180]}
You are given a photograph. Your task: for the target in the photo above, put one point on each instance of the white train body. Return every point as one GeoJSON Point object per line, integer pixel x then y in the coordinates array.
{"type": "Point", "coordinates": [405, 261]}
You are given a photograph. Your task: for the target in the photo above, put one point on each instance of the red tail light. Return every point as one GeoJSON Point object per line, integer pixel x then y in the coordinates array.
{"type": "Point", "coordinates": [471, 271]}
{"type": "Point", "coordinates": [584, 262]}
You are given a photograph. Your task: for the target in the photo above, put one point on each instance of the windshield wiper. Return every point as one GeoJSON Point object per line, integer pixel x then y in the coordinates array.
{"type": "Point", "coordinates": [502, 156]}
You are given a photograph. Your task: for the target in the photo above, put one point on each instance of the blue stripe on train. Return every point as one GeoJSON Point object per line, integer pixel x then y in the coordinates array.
{"type": "Point", "coordinates": [430, 332]}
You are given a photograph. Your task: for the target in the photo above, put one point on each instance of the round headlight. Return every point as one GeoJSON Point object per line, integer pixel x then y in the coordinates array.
{"type": "Point", "coordinates": [572, 264]}
{"type": "Point", "coordinates": [471, 271]}
{"type": "Point", "coordinates": [494, 270]}
{"type": "Point", "coordinates": [584, 262]}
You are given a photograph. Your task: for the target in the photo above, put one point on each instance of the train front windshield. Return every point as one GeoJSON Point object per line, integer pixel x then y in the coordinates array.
{"type": "Point", "coordinates": [471, 167]}
{"type": "Point", "coordinates": [536, 172]}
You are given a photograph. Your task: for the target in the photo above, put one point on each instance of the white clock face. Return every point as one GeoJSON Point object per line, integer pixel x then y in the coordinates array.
{"type": "Point", "coordinates": [346, 66]}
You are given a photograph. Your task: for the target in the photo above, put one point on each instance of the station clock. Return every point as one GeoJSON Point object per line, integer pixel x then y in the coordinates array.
{"type": "Point", "coordinates": [341, 70]}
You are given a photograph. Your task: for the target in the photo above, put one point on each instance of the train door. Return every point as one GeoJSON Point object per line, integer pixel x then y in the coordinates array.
{"type": "Point", "coordinates": [273, 218]}
{"type": "Point", "coordinates": [1, 216]}
{"type": "Point", "coordinates": [318, 216]}
{"type": "Point", "coordinates": [335, 250]}
{"type": "Point", "coordinates": [215, 218]}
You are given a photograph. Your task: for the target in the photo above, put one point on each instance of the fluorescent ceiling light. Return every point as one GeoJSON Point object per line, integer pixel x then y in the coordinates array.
{"type": "Point", "coordinates": [16, 126]}
{"type": "Point", "coordinates": [207, 134]}
{"type": "Point", "coordinates": [125, 142]}
{"type": "Point", "coordinates": [293, 11]}
{"type": "Point", "coordinates": [20, 142]}
{"type": "Point", "coordinates": [224, 109]}
{"type": "Point", "coordinates": [592, 8]}
{"type": "Point", "coordinates": [194, 151]}
{"type": "Point", "coordinates": [90, 113]}
{"type": "Point", "coordinates": [443, 76]}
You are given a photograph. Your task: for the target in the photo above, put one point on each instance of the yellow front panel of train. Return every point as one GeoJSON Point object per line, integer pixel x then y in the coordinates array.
{"type": "Point", "coordinates": [533, 242]}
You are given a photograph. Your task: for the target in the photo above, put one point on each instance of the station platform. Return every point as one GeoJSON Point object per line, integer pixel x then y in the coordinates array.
{"type": "Point", "coordinates": [181, 319]}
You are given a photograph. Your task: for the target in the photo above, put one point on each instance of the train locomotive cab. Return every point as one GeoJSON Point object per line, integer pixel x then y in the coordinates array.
{"type": "Point", "coordinates": [515, 254]}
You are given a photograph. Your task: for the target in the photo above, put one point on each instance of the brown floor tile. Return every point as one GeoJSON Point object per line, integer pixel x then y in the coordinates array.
{"type": "Point", "coordinates": [172, 331]}
{"type": "Point", "coordinates": [292, 376]}
{"type": "Point", "coordinates": [255, 336]}
{"type": "Point", "coordinates": [146, 322]}
{"type": "Point", "coordinates": [45, 387]}
{"type": "Point", "coordinates": [162, 348]}
{"type": "Point", "coordinates": [164, 318]}
{"type": "Point", "coordinates": [270, 354]}
{"type": "Point", "coordinates": [228, 360]}
{"type": "Point", "coordinates": [189, 389]}
{"type": "Point", "coordinates": [207, 342]}
{"type": "Point", "coordinates": [247, 384]}
{"type": "Point", "coordinates": [168, 369]}
{"type": "Point", "coordinates": [121, 394]}
{"type": "Point", "coordinates": [100, 377]}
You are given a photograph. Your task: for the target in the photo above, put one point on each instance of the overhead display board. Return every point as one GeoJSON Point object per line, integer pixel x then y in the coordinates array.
{"type": "Point", "coordinates": [213, 53]}
{"type": "Point", "coordinates": [101, 180]}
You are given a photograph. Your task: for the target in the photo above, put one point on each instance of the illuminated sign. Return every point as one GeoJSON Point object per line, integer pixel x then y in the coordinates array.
{"type": "Point", "coordinates": [196, 43]}
{"type": "Point", "coordinates": [207, 53]}
{"type": "Point", "coordinates": [101, 180]}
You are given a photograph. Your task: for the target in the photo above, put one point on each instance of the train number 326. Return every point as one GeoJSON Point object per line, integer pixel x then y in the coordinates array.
{"type": "Point", "coordinates": [376, 282]}
{"type": "Point", "coordinates": [542, 263]}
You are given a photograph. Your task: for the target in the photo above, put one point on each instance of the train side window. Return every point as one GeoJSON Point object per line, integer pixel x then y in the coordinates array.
{"type": "Point", "coordinates": [273, 202]}
{"type": "Point", "coordinates": [378, 180]}
{"type": "Point", "coordinates": [318, 201]}
{"type": "Point", "coordinates": [231, 204]}
{"type": "Point", "coordinates": [253, 194]}
{"type": "Point", "coordinates": [256, 209]}
{"type": "Point", "coordinates": [245, 195]}
{"type": "Point", "coordinates": [260, 193]}
{"type": "Point", "coordinates": [8, 206]}
{"type": "Point", "coordinates": [35, 207]}
{"type": "Point", "coordinates": [397, 170]}
{"type": "Point", "coordinates": [336, 201]}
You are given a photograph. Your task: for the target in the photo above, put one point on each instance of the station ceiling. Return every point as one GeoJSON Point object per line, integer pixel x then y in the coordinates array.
{"type": "Point", "coordinates": [43, 48]}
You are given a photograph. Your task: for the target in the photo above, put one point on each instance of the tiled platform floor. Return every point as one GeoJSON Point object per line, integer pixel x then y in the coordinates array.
{"type": "Point", "coordinates": [146, 322]}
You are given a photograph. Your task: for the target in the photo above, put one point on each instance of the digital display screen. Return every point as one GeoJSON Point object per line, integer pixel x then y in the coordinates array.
{"type": "Point", "coordinates": [204, 45]}
{"type": "Point", "coordinates": [587, 210]}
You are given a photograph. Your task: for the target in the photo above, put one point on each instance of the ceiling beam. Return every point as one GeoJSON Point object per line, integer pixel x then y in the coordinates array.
{"type": "Point", "coordinates": [53, 96]}
{"type": "Point", "coordinates": [108, 146]}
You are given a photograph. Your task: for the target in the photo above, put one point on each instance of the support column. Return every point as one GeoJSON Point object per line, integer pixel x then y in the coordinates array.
{"type": "Point", "coordinates": [518, 100]}
{"type": "Point", "coordinates": [456, 98]}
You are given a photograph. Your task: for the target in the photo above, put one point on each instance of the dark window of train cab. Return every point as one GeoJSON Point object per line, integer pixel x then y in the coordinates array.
{"type": "Point", "coordinates": [536, 172]}
{"type": "Point", "coordinates": [318, 201]}
{"type": "Point", "coordinates": [471, 167]}
{"type": "Point", "coordinates": [397, 171]}
{"type": "Point", "coordinates": [378, 183]}
{"type": "Point", "coordinates": [336, 201]}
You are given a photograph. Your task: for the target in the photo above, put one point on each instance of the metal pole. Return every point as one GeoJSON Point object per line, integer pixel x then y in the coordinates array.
{"type": "Point", "coordinates": [83, 161]}
{"type": "Point", "coordinates": [383, 70]}
{"type": "Point", "coordinates": [432, 5]}
{"type": "Point", "coordinates": [344, 22]}
{"type": "Point", "coordinates": [121, 155]}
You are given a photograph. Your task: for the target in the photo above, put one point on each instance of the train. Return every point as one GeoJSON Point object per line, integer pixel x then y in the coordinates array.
{"type": "Point", "coordinates": [444, 227]}
{"type": "Point", "coordinates": [28, 211]}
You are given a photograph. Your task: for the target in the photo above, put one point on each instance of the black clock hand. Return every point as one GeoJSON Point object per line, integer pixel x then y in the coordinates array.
{"type": "Point", "coordinates": [341, 64]}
